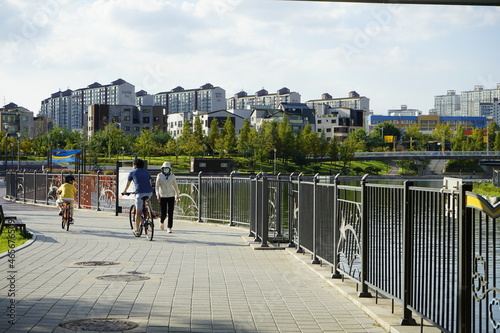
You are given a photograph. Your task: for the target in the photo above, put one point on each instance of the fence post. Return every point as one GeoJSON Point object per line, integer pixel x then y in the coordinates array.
{"type": "Point", "coordinates": [265, 212]}
{"type": "Point", "coordinates": [98, 190]}
{"type": "Point", "coordinates": [47, 190]}
{"type": "Point", "coordinates": [34, 186]}
{"type": "Point", "coordinates": [465, 252]}
{"type": "Point", "coordinates": [278, 206]}
{"type": "Point", "coordinates": [336, 228]}
{"type": "Point", "coordinates": [117, 190]}
{"type": "Point", "coordinates": [199, 197]}
{"type": "Point", "coordinates": [407, 262]}
{"type": "Point", "coordinates": [291, 211]}
{"type": "Point", "coordinates": [24, 185]}
{"type": "Point", "coordinates": [299, 249]}
{"type": "Point", "coordinates": [315, 260]}
{"type": "Point", "coordinates": [251, 208]}
{"type": "Point", "coordinates": [258, 211]}
{"type": "Point", "coordinates": [79, 189]}
{"type": "Point", "coordinates": [364, 239]}
{"type": "Point", "coordinates": [231, 200]}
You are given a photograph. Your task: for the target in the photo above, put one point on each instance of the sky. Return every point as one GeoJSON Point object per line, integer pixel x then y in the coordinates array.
{"type": "Point", "coordinates": [393, 54]}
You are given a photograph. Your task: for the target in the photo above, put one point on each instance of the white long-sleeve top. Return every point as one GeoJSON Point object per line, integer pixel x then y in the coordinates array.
{"type": "Point", "coordinates": [166, 188]}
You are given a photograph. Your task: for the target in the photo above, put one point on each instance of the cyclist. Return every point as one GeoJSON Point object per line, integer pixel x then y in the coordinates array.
{"type": "Point", "coordinates": [143, 188]}
{"type": "Point", "coordinates": [66, 194]}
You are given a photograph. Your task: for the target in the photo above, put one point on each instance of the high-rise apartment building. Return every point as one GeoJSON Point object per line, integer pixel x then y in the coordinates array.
{"type": "Point", "coordinates": [470, 101]}
{"type": "Point", "coordinates": [447, 105]}
{"type": "Point", "coordinates": [69, 108]}
{"type": "Point", "coordinates": [262, 99]}
{"type": "Point", "coordinates": [354, 101]}
{"type": "Point", "coordinates": [207, 98]}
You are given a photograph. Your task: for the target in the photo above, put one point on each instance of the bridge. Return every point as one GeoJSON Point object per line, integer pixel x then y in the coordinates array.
{"type": "Point", "coordinates": [429, 155]}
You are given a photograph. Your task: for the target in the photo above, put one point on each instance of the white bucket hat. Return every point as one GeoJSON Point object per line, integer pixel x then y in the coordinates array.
{"type": "Point", "coordinates": [166, 165]}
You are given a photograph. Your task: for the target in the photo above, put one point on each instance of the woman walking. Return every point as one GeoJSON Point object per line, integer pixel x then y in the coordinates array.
{"type": "Point", "coordinates": [166, 192]}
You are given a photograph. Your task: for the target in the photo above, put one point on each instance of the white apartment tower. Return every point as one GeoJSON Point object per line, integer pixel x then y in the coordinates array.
{"type": "Point", "coordinates": [447, 105]}
{"type": "Point", "coordinates": [470, 101]}
{"type": "Point", "coordinates": [354, 101]}
{"type": "Point", "coordinates": [207, 98]}
{"type": "Point", "coordinates": [69, 108]}
{"type": "Point", "coordinates": [262, 99]}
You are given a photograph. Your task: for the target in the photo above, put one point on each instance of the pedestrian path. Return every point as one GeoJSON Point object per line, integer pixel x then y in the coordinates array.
{"type": "Point", "coordinates": [201, 278]}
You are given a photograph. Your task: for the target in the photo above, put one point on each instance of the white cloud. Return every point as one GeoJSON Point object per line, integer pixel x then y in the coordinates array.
{"type": "Point", "coordinates": [310, 47]}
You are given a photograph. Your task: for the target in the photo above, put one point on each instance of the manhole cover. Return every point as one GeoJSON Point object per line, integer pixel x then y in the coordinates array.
{"type": "Point", "coordinates": [96, 263]}
{"type": "Point", "coordinates": [100, 325]}
{"type": "Point", "coordinates": [123, 277]}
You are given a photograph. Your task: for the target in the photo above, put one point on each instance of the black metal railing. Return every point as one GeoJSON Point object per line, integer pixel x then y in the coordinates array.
{"type": "Point", "coordinates": [434, 252]}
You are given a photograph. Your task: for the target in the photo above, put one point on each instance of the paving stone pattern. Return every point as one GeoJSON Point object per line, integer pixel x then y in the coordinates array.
{"type": "Point", "coordinates": [202, 278]}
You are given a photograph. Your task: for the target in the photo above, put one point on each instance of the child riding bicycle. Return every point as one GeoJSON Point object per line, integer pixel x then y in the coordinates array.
{"type": "Point", "coordinates": [143, 188]}
{"type": "Point", "coordinates": [66, 194]}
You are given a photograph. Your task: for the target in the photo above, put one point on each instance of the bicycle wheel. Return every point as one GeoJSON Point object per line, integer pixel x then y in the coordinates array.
{"type": "Point", "coordinates": [66, 216]}
{"type": "Point", "coordinates": [131, 216]}
{"type": "Point", "coordinates": [149, 227]}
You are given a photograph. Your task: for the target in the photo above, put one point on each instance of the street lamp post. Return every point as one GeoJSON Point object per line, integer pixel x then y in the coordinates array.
{"type": "Point", "coordinates": [18, 151]}
{"type": "Point", "coordinates": [274, 172]}
{"type": "Point", "coordinates": [6, 127]}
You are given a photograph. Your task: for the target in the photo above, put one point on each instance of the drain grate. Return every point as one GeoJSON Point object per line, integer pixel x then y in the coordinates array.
{"type": "Point", "coordinates": [123, 277]}
{"type": "Point", "coordinates": [100, 325]}
{"type": "Point", "coordinates": [96, 263]}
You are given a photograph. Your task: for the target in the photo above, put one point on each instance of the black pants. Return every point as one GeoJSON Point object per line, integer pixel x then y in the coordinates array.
{"type": "Point", "coordinates": [164, 204]}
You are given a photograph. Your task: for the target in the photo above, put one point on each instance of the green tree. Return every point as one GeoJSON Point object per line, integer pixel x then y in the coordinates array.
{"type": "Point", "coordinates": [213, 134]}
{"type": "Point", "coordinates": [496, 147]}
{"type": "Point", "coordinates": [198, 136]}
{"type": "Point", "coordinates": [286, 139]}
{"type": "Point", "coordinates": [491, 134]}
{"type": "Point", "coordinates": [228, 140]}
{"type": "Point", "coordinates": [243, 145]}
{"type": "Point", "coordinates": [145, 144]}
{"type": "Point", "coordinates": [359, 139]}
{"type": "Point", "coordinates": [442, 133]}
{"type": "Point", "coordinates": [459, 141]}
{"type": "Point", "coordinates": [333, 148]}
{"type": "Point", "coordinates": [415, 138]}
{"type": "Point", "coordinates": [476, 140]}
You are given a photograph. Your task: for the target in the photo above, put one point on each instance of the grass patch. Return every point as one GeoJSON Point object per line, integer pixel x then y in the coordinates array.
{"type": "Point", "coordinates": [486, 189]}
{"type": "Point", "coordinates": [9, 239]}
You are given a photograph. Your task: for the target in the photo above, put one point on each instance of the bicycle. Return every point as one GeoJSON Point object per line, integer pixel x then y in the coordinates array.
{"type": "Point", "coordinates": [66, 215]}
{"type": "Point", "coordinates": [147, 223]}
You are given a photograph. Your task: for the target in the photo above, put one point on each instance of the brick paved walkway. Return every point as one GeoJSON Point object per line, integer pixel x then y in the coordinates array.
{"type": "Point", "coordinates": [201, 278]}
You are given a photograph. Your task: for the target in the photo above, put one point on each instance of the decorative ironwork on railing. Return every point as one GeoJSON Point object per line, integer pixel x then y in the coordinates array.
{"type": "Point", "coordinates": [432, 251]}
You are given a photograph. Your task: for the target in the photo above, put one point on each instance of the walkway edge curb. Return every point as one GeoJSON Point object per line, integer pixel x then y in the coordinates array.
{"type": "Point", "coordinates": [26, 244]}
{"type": "Point", "coordinates": [381, 312]}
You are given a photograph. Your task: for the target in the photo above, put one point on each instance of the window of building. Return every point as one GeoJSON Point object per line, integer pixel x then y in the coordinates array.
{"type": "Point", "coordinates": [145, 120]}
{"type": "Point", "coordinates": [319, 121]}
{"type": "Point", "coordinates": [116, 119]}
{"type": "Point", "coordinates": [127, 128]}
{"type": "Point", "coordinates": [126, 118]}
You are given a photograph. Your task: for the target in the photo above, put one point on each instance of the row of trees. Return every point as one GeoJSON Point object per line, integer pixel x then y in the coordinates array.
{"type": "Point", "coordinates": [273, 139]}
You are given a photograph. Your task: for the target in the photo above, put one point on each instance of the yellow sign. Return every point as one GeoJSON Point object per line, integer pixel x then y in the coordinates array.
{"type": "Point", "coordinates": [485, 139]}
{"type": "Point", "coordinates": [388, 138]}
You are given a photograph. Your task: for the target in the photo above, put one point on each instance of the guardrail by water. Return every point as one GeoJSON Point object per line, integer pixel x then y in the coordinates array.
{"type": "Point", "coordinates": [433, 251]}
